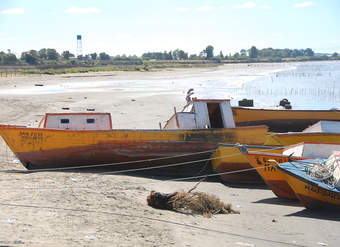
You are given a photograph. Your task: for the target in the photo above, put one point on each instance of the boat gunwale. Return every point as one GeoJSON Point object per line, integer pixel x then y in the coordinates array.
{"type": "Point", "coordinates": [2, 127]}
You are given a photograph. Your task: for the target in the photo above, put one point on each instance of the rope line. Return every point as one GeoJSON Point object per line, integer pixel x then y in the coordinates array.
{"type": "Point", "coordinates": [143, 183]}
{"type": "Point", "coordinates": [114, 164]}
{"type": "Point", "coordinates": [139, 169]}
{"type": "Point", "coordinates": [132, 162]}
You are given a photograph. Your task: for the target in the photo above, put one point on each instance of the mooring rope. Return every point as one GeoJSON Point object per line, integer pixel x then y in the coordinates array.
{"type": "Point", "coordinates": [139, 169]}
{"type": "Point", "coordinates": [142, 183]}
{"type": "Point", "coordinates": [114, 164]}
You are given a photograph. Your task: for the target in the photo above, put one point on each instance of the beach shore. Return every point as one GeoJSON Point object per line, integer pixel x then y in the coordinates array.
{"type": "Point", "coordinates": [84, 208]}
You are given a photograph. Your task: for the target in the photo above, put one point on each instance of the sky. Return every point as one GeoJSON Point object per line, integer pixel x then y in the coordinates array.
{"type": "Point", "coordinates": [133, 27]}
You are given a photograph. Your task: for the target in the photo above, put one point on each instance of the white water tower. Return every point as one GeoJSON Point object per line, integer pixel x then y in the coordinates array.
{"type": "Point", "coordinates": [79, 46]}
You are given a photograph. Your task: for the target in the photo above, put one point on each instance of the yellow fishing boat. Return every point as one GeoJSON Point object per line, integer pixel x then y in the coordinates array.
{"type": "Point", "coordinates": [320, 132]}
{"type": "Point", "coordinates": [83, 139]}
{"type": "Point", "coordinates": [234, 166]}
{"type": "Point", "coordinates": [282, 120]}
{"type": "Point", "coordinates": [312, 193]}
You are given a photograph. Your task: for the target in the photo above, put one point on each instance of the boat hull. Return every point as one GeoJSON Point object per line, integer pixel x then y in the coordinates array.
{"type": "Point", "coordinates": [49, 148]}
{"type": "Point", "coordinates": [126, 156]}
{"type": "Point", "coordinates": [234, 167]}
{"type": "Point", "coordinates": [282, 120]}
{"type": "Point", "coordinates": [309, 193]}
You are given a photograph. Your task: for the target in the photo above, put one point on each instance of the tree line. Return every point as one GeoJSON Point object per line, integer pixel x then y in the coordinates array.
{"type": "Point", "coordinates": [47, 56]}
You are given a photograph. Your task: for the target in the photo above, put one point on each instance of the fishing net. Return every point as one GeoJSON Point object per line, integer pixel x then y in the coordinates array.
{"type": "Point", "coordinates": [190, 202]}
{"type": "Point", "coordinates": [327, 171]}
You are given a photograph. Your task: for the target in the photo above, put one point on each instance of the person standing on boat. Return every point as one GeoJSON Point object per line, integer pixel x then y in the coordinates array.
{"type": "Point", "coordinates": [189, 93]}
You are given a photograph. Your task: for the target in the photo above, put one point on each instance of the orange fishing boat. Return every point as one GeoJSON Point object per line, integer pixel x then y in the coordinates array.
{"type": "Point", "coordinates": [83, 139]}
{"type": "Point", "coordinates": [269, 173]}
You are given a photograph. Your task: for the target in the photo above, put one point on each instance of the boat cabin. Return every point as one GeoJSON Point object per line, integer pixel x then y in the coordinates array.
{"type": "Point", "coordinates": [77, 121]}
{"type": "Point", "coordinates": [324, 126]}
{"type": "Point", "coordinates": [203, 113]}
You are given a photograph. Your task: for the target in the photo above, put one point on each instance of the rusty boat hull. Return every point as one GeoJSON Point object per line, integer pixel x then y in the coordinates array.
{"type": "Point", "coordinates": [180, 152]}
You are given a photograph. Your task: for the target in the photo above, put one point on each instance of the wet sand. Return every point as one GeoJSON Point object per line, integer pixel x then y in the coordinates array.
{"type": "Point", "coordinates": [92, 209]}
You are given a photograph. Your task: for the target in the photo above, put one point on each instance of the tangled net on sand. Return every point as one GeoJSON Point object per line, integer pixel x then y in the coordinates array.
{"type": "Point", "coordinates": [190, 202]}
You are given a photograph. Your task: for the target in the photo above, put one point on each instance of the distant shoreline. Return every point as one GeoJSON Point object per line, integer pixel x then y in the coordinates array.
{"type": "Point", "coordinates": [107, 70]}
{"type": "Point", "coordinates": [58, 70]}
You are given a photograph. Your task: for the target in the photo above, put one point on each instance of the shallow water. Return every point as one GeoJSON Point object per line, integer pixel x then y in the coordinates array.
{"type": "Point", "coordinates": [307, 85]}
{"type": "Point", "coordinates": [310, 85]}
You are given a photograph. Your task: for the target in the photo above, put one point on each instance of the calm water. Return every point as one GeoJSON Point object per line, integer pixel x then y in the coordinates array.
{"type": "Point", "coordinates": [311, 85]}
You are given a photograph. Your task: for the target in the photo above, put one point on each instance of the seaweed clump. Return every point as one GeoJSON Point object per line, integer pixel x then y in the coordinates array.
{"type": "Point", "coordinates": [190, 202]}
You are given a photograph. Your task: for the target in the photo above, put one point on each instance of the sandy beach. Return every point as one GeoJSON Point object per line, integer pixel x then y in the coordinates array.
{"type": "Point", "coordinates": [84, 208]}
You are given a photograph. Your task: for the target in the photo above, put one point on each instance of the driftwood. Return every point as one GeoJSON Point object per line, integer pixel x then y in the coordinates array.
{"type": "Point", "coordinates": [196, 203]}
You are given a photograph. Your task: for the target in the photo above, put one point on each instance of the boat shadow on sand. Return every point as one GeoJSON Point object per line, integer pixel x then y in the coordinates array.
{"type": "Point", "coordinates": [257, 186]}
{"type": "Point", "coordinates": [322, 214]}
{"type": "Point", "coordinates": [280, 201]}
